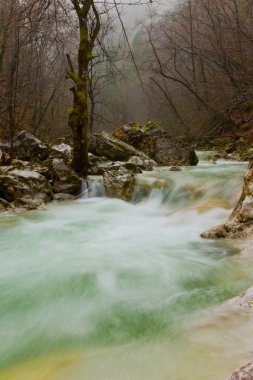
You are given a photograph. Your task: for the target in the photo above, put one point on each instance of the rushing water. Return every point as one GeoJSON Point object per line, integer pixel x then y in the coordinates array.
{"type": "Point", "coordinates": [100, 289]}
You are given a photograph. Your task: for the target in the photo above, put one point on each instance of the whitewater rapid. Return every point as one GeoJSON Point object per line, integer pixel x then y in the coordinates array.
{"type": "Point", "coordinates": [101, 289]}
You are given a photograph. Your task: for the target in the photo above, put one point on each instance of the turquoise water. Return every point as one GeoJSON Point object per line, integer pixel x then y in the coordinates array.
{"type": "Point", "coordinates": [106, 286]}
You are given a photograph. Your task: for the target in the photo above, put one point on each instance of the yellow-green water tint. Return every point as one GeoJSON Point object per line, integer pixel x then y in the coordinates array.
{"type": "Point", "coordinates": [215, 342]}
{"type": "Point", "coordinates": [103, 289]}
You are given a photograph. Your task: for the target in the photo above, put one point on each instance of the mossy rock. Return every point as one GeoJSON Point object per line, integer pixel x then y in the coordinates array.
{"type": "Point", "coordinates": [157, 144]}
{"type": "Point", "coordinates": [104, 144]}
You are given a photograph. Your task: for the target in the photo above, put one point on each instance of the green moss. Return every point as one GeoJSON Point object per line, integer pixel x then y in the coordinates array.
{"type": "Point", "coordinates": [153, 124]}
{"type": "Point", "coordinates": [244, 127]}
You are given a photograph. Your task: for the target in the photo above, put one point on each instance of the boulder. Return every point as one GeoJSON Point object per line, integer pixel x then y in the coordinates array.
{"type": "Point", "coordinates": [138, 164]}
{"type": "Point", "coordinates": [61, 151]}
{"type": "Point", "coordinates": [97, 165]}
{"type": "Point", "coordinates": [28, 147]}
{"type": "Point", "coordinates": [157, 144]}
{"type": "Point", "coordinates": [243, 373]}
{"type": "Point", "coordinates": [215, 156]}
{"type": "Point", "coordinates": [29, 203]}
{"type": "Point", "coordinates": [16, 184]}
{"type": "Point", "coordinates": [64, 178]}
{"type": "Point", "coordinates": [119, 183]}
{"type": "Point", "coordinates": [240, 222]}
{"type": "Point", "coordinates": [103, 144]}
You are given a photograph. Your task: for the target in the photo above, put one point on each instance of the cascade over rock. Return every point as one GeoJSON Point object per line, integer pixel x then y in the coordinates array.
{"type": "Point", "coordinates": [157, 144]}
{"type": "Point", "coordinates": [103, 144]}
{"type": "Point", "coordinates": [119, 183]}
{"type": "Point", "coordinates": [240, 222]}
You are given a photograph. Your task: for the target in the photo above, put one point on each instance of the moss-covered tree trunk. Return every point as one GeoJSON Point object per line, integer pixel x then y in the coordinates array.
{"type": "Point", "coordinates": [79, 114]}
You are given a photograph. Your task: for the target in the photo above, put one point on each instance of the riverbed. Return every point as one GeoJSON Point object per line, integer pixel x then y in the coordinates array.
{"type": "Point", "coordinates": [101, 289]}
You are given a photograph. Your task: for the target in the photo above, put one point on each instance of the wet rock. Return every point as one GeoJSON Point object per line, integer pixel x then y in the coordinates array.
{"type": "Point", "coordinates": [64, 178]}
{"type": "Point", "coordinates": [3, 204]}
{"type": "Point", "coordinates": [157, 144]}
{"type": "Point", "coordinates": [174, 169]}
{"type": "Point", "coordinates": [63, 197]}
{"type": "Point", "coordinates": [20, 164]}
{"type": "Point", "coordinates": [244, 148]}
{"type": "Point", "coordinates": [29, 203]}
{"type": "Point", "coordinates": [96, 160]}
{"type": "Point", "coordinates": [237, 150]}
{"type": "Point", "coordinates": [243, 373]}
{"type": "Point", "coordinates": [234, 157]}
{"type": "Point", "coordinates": [215, 156]}
{"type": "Point", "coordinates": [244, 301]}
{"type": "Point", "coordinates": [240, 222]}
{"type": "Point", "coordinates": [97, 165]}
{"type": "Point", "coordinates": [41, 169]}
{"type": "Point", "coordinates": [27, 147]}
{"type": "Point", "coordinates": [103, 144]}
{"type": "Point", "coordinates": [17, 184]}
{"type": "Point", "coordinates": [138, 164]}
{"type": "Point", "coordinates": [61, 151]}
{"type": "Point", "coordinates": [119, 183]}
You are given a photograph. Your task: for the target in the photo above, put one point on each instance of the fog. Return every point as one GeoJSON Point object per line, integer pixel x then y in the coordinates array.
{"type": "Point", "coordinates": [135, 13]}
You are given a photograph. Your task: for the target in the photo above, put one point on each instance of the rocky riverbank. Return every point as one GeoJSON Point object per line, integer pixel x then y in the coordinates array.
{"type": "Point", "coordinates": [40, 173]}
{"type": "Point", "coordinates": [243, 303]}
{"type": "Point", "coordinates": [240, 222]}
{"type": "Point", "coordinates": [236, 149]}
{"type": "Point", "coordinates": [240, 225]}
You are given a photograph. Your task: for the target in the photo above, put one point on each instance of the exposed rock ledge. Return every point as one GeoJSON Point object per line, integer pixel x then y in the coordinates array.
{"type": "Point", "coordinates": [240, 222]}
{"type": "Point", "coordinates": [243, 373]}
{"type": "Point", "coordinates": [152, 140]}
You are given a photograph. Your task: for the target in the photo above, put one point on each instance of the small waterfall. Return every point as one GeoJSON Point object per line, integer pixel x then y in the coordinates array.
{"type": "Point", "coordinates": [206, 186]}
{"type": "Point", "coordinates": [105, 289]}
{"type": "Point", "coordinates": [203, 155]}
{"type": "Point", "coordinates": [92, 188]}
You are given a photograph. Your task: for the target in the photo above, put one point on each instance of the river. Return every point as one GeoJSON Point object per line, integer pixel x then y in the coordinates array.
{"type": "Point", "coordinates": [101, 289]}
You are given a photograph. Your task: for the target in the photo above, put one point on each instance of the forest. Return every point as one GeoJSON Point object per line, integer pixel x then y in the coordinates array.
{"type": "Point", "coordinates": [190, 69]}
